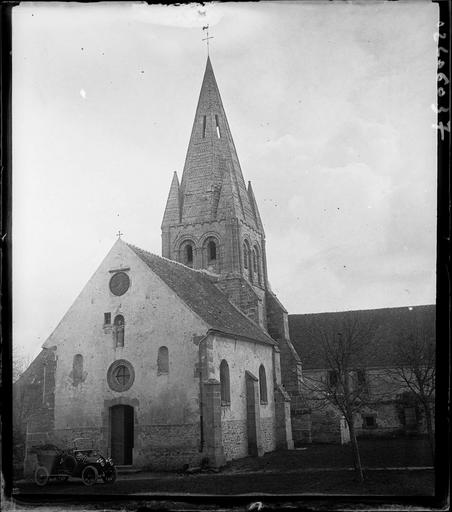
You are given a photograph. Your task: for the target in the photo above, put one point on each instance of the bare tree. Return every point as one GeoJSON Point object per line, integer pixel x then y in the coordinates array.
{"type": "Point", "coordinates": [343, 343]}
{"type": "Point", "coordinates": [21, 362]}
{"type": "Point", "coordinates": [415, 367]}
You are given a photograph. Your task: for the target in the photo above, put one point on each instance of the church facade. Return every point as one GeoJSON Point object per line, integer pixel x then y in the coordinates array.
{"type": "Point", "coordinates": [172, 360]}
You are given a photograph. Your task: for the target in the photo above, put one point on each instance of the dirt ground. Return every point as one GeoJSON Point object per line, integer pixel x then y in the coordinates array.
{"type": "Point", "coordinates": [313, 470]}
{"type": "Point", "coordinates": [382, 483]}
{"type": "Point", "coordinates": [378, 453]}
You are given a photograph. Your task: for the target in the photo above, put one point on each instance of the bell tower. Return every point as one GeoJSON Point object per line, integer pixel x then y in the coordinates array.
{"type": "Point", "coordinates": [211, 219]}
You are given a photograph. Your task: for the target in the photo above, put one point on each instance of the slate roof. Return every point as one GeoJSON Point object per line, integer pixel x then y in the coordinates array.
{"type": "Point", "coordinates": [388, 321]}
{"type": "Point", "coordinates": [199, 292]}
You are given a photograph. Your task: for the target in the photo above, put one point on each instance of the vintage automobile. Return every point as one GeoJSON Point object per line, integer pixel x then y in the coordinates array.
{"type": "Point", "coordinates": [81, 461]}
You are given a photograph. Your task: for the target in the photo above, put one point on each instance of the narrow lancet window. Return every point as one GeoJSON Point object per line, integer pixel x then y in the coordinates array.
{"type": "Point", "coordinates": [77, 370]}
{"type": "Point", "coordinates": [225, 390]}
{"type": "Point", "coordinates": [212, 248]}
{"type": "Point", "coordinates": [203, 127]}
{"type": "Point", "coordinates": [118, 332]}
{"type": "Point", "coordinates": [245, 255]}
{"type": "Point", "coordinates": [189, 254]}
{"type": "Point", "coordinates": [217, 126]}
{"type": "Point", "coordinates": [263, 385]}
{"type": "Point", "coordinates": [163, 361]}
{"type": "Point", "coordinates": [257, 264]}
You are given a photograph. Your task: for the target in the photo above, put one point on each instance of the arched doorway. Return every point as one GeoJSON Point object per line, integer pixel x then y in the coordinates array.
{"type": "Point", "coordinates": [121, 428]}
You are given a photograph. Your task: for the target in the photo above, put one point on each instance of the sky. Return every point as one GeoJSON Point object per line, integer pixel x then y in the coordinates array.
{"type": "Point", "coordinates": [330, 108]}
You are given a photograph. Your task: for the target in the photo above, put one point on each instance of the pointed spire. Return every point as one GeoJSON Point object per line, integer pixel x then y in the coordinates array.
{"type": "Point", "coordinates": [229, 200]}
{"type": "Point", "coordinates": [212, 175]}
{"type": "Point", "coordinates": [172, 210]}
{"type": "Point", "coordinates": [255, 209]}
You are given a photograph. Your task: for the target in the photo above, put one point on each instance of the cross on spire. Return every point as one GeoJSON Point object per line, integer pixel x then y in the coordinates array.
{"type": "Point", "coordinates": [118, 234]}
{"type": "Point", "coordinates": [207, 38]}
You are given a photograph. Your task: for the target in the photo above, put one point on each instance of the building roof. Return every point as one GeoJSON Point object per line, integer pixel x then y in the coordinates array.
{"type": "Point", "coordinates": [212, 185]}
{"type": "Point", "coordinates": [387, 325]}
{"type": "Point", "coordinates": [197, 289]}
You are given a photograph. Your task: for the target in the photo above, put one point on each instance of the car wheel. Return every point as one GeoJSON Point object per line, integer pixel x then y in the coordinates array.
{"type": "Point", "coordinates": [41, 476]}
{"type": "Point", "coordinates": [109, 476]}
{"type": "Point", "coordinates": [89, 475]}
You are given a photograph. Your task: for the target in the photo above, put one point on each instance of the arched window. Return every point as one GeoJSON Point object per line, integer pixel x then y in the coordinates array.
{"type": "Point", "coordinates": [257, 264]}
{"type": "Point", "coordinates": [212, 251]}
{"type": "Point", "coordinates": [162, 361]}
{"type": "Point", "coordinates": [189, 254]}
{"type": "Point", "coordinates": [187, 250]}
{"type": "Point", "coordinates": [248, 259]}
{"type": "Point", "coordinates": [246, 255]}
{"type": "Point", "coordinates": [77, 369]}
{"type": "Point", "coordinates": [211, 254]}
{"type": "Point", "coordinates": [224, 383]}
{"type": "Point", "coordinates": [263, 384]}
{"type": "Point", "coordinates": [118, 331]}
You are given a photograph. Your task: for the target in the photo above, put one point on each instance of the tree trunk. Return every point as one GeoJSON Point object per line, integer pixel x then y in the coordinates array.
{"type": "Point", "coordinates": [429, 423]}
{"type": "Point", "coordinates": [354, 443]}
{"type": "Point", "coordinates": [351, 426]}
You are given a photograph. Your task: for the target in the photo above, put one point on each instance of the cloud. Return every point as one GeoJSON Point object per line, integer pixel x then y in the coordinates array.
{"type": "Point", "coordinates": [361, 141]}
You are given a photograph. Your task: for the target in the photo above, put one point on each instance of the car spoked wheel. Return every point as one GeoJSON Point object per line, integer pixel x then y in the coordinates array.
{"type": "Point", "coordinates": [109, 476]}
{"type": "Point", "coordinates": [41, 476]}
{"type": "Point", "coordinates": [89, 475]}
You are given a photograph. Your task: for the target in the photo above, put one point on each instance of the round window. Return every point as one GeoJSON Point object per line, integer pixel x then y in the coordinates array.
{"type": "Point", "coordinates": [120, 375]}
{"type": "Point", "coordinates": [119, 283]}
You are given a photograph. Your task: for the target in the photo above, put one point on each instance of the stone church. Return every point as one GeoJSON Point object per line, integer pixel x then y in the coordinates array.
{"type": "Point", "coordinates": [175, 359]}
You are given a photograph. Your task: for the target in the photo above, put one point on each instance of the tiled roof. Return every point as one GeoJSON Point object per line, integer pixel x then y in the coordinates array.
{"type": "Point", "coordinates": [199, 292]}
{"type": "Point", "coordinates": [388, 323]}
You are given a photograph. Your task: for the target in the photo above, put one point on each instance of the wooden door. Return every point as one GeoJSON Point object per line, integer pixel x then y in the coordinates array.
{"type": "Point", "coordinates": [252, 413]}
{"type": "Point", "coordinates": [121, 424]}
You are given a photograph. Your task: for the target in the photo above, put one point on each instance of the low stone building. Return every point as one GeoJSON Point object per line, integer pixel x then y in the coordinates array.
{"type": "Point", "coordinates": [383, 373]}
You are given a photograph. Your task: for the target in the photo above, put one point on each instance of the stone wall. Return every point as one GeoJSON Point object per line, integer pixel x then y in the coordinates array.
{"type": "Point", "coordinates": [383, 402]}
{"type": "Point", "coordinates": [388, 423]}
{"type": "Point", "coordinates": [245, 297]}
{"type": "Point", "coordinates": [277, 325]}
{"type": "Point", "coordinates": [278, 328]}
{"type": "Point", "coordinates": [235, 439]}
{"type": "Point", "coordinates": [157, 447]}
{"type": "Point", "coordinates": [301, 423]}
{"type": "Point", "coordinates": [325, 427]}
{"type": "Point", "coordinates": [197, 233]}
{"type": "Point", "coordinates": [243, 356]}
{"type": "Point", "coordinates": [268, 437]}
{"type": "Point", "coordinates": [168, 447]}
